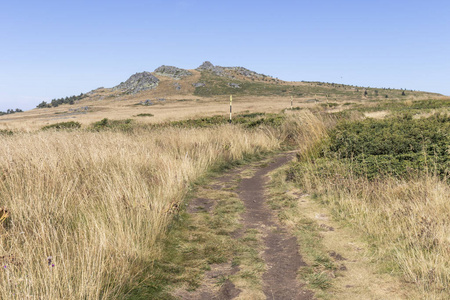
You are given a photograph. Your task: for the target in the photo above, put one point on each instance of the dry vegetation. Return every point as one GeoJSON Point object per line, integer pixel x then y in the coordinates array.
{"type": "Point", "coordinates": [404, 221]}
{"type": "Point", "coordinates": [83, 211]}
{"type": "Point", "coordinates": [392, 187]}
{"type": "Point", "coordinates": [173, 109]}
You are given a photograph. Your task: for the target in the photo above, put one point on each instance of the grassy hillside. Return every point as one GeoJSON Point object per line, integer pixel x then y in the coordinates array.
{"type": "Point", "coordinates": [216, 85]}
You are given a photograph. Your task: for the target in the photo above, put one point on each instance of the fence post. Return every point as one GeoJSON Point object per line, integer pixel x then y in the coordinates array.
{"type": "Point", "coordinates": [231, 107]}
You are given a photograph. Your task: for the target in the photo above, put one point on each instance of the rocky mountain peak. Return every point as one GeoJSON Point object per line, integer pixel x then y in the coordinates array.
{"type": "Point", "coordinates": [207, 65]}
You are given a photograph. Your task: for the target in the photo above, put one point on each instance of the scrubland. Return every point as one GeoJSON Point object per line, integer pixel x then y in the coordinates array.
{"type": "Point", "coordinates": [389, 180]}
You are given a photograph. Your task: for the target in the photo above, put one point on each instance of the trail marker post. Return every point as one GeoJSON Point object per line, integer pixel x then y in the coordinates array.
{"type": "Point", "coordinates": [231, 107]}
{"type": "Point", "coordinates": [291, 103]}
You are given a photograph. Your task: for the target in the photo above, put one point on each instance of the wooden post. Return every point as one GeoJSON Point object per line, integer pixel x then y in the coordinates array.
{"type": "Point", "coordinates": [291, 103]}
{"type": "Point", "coordinates": [231, 107]}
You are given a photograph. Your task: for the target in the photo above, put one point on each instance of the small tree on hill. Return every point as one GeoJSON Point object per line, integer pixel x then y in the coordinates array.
{"type": "Point", "coordinates": [43, 104]}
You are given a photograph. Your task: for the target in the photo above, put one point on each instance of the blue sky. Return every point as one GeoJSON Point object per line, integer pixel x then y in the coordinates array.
{"type": "Point", "coordinates": [52, 49]}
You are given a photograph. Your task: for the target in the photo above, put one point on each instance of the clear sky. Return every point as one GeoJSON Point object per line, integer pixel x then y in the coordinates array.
{"type": "Point", "coordinates": [51, 49]}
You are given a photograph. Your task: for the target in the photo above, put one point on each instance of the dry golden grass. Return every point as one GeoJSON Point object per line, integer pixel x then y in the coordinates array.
{"type": "Point", "coordinates": [175, 108]}
{"type": "Point", "coordinates": [405, 220]}
{"type": "Point", "coordinates": [87, 209]}
{"type": "Point", "coordinates": [352, 276]}
{"type": "Point", "coordinates": [309, 130]}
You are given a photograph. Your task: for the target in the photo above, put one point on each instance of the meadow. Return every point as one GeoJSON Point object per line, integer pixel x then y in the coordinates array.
{"type": "Point", "coordinates": [83, 211]}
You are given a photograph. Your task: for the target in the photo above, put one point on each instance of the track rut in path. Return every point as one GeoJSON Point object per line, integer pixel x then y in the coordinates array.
{"type": "Point", "coordinates": [281, 252]}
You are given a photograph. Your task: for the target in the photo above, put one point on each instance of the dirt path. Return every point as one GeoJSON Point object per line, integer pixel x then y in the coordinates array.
{"type": "Point", "coordinates": [281, 252]}
{"type": "Point", "coordinates": [261, 253]}
{"type": "Point", "coordinates": [277, 249]}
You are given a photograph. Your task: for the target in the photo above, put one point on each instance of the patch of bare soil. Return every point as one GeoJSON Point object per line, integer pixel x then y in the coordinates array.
{"type": "Point", "coordinates": [200, 204]}
{"type": "Point", "coordinates": [209, 290]}
{"type": "Point", "coordinates": [376, 114]}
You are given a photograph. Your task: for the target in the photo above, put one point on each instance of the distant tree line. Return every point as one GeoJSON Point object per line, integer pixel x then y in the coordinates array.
{"type": "Point", "coordinates": [10, 111]}
{"type": "Point", "coordinates": [56, 102]}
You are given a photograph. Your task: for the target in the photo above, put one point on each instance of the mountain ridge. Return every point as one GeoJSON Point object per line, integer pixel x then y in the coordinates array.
{"type": "Point", "coordinates": [209, 80]}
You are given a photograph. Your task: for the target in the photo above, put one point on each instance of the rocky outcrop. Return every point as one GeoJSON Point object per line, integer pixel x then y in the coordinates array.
{"type": "Point", "coordinates": [234, 85]}
{"type": "Point", "coordinates": [208, 66]}
{"type": "Point", "coordinates": [137, 83]}
{"type": "Point", "coordinates": [229, 72]}
{"type": "Point", "coordinates": [147, 102]}
{"type": "Point", "coordinates": [198, 84]}
{"type": "Point", "coordinates": [172, 72]}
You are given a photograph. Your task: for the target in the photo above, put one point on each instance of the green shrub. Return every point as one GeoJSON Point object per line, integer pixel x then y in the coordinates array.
{"type": "Point", "coordinates": [107, 124]}
{"type": "Point", "coordinates": [63, 125]}
{"type": "Point", "coordinates": [249, 120]}
{"type": "Point", "coordinates": [329, 104]}
{"type": "Point", "coordinates": [392, 147]}
{"type": "Point", "coordinates": [431, 104]}
{"type": "Point", "coordinates": [202, 122]}
{"type": "Point", "coordinates": [6, 132]}
{"type": "Point", "coordinates": [144, 115]}
{"type": "Point", "coordinates": [402, 107]}
{"type": "Point", "coordinates": [393, 136]}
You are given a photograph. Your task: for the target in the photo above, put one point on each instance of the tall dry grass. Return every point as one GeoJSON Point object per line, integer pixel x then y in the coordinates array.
{"type": "Point", "coordinates": [406, 222]}
{"type": "Point", "coordinates": [86, 209]}
{"type": "Point", "coordinates": [305, 130]}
